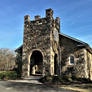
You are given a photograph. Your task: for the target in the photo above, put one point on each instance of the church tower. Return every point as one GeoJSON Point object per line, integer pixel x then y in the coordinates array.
{"type": "Point", "coordinates": [41, 45]}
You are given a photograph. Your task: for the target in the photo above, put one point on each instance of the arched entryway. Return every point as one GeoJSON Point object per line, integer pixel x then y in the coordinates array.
{"type": "Point", "coordinates": [36, 63]}
{"type": "Point", "coordinates": [55, 64]}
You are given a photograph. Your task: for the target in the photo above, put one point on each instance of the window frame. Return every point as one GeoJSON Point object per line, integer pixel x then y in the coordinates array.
{"type": "Point", "coordinates": [70, 60]}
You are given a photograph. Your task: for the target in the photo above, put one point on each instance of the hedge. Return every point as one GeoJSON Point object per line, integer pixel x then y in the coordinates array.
{"type": "Point", "coordinates": [6, 75]}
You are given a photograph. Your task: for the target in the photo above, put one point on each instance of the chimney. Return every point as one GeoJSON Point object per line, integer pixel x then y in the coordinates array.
{"type": "Point", "coordinates": [49, 13]}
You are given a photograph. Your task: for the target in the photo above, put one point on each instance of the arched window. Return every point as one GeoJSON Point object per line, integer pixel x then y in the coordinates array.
{"type": "Point", "coordinates": [71, 59]}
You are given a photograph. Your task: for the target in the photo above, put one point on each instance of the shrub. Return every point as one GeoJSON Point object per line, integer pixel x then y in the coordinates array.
{"type": "Point", "coordinates": [5, 75]}
{"type": "Point", "coordinates": [64, 79]}
{"type": "Point", "coordinates": [2, 75]}
{"type": "Point", "coordinates": [56, 79]}
{"type": "Point", "coordinates": [46, 79]}
{"type": "Point", "coordinates": [51, 79]}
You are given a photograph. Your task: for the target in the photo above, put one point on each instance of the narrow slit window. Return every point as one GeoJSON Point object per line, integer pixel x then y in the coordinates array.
{"type": "Point", "coordinates": [71, 60]}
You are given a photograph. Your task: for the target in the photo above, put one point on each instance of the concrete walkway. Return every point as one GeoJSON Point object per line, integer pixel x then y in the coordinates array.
{"type": "Point", "coordinates": [8, 86]}
{"type": "Point", "coordinates": [32, 84]}
{"type": "Point", "coordinates": [28, 85]}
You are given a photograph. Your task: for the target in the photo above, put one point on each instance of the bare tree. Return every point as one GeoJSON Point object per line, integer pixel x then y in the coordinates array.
{"type": "Point", "coordinates": [7, 59]}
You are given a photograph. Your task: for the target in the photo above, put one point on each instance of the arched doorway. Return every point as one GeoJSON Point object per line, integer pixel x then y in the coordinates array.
{"type": "Point", "coordinates": [36, 63]}
{"type": "Point", "coordinates": [55, 64]}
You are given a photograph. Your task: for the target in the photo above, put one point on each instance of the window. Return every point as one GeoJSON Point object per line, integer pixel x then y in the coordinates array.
{"type": "Point", "coordinates": [71, 59]}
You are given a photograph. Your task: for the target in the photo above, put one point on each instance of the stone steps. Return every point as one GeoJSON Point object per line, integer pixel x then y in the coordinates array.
{"type": "Point", "coordinates": [33, 77]}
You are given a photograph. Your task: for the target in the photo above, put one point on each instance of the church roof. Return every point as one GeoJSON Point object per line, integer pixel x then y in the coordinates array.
{"type": "Point", "coordinates": [19, 48]}
{"type": "Point", "coordinates": [82, 44]}
{"type": "Point", "coordinates": [72, 38]}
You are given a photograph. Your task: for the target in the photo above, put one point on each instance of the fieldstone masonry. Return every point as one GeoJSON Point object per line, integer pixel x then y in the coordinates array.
{"type": "Point", "coordinates": [38, 36]}
{"type": "Point", "coordinates": [46, 51]}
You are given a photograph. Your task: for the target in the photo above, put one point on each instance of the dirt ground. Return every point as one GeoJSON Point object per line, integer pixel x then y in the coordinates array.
{"type": "Point", "coordinates": [73, 87]}
{"type": "Point", "coordinates": [33, 85]}
{"type": "Point", "coordinates": [80, 87]}
{"type": "Point", "coordinates": [29, 86]}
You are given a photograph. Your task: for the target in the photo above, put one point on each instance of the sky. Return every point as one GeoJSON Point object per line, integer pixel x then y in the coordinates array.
{"type": "Point", "coordinates": [75, 18]}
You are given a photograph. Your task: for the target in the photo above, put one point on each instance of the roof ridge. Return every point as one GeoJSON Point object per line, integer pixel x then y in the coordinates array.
{"type": "Point", "coordinates": [74, 39]}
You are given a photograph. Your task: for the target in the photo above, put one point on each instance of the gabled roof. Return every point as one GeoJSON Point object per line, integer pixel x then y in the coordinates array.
{"type": "Point", "coordinates": [67, 36]}
{"type": "Point", "coordinates": [19, 48]}
{"type": "Point", "coordinates": [82, 44]}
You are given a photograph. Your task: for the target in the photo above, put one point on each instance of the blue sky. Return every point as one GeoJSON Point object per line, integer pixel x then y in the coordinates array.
{"type": "Point", "coordinates": [75, 15]}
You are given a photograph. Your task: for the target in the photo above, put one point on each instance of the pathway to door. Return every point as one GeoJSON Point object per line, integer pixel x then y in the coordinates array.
{"type": "Point", "coordinates": [33, 85]}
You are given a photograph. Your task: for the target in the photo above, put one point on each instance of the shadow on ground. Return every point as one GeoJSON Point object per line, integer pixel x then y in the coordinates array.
{"type": "Point", "coordinates": [79, 84]}
{"type": "Point", "coordinates": [31, 87]}
{"type": "Point", "coordinates": [83, 85]}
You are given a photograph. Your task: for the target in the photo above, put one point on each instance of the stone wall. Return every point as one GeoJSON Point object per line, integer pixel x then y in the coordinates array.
{"type": "Point", "coordinates": [38, 35]}
{"type": "Point", "coordinates": [43, 35]}
{"type": "Point", "coordinates": [70, 47]}
{"type": "Point", "coordinates": [88, 57]}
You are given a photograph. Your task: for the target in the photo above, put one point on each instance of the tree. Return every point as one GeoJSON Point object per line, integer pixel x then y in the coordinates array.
{"type": "Point", "coordinates": [7, 59]}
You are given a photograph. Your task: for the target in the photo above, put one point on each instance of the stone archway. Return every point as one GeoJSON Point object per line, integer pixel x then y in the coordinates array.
{"type": "Point", "coordinates": [36, 63]}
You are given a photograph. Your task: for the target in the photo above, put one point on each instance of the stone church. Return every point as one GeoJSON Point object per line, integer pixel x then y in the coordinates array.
{"type": "Point", "coordinates": [46, 51]}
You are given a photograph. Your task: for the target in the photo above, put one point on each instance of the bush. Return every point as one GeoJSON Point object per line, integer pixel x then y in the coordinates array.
{"type": "Point", "coordinates": [46, 79]}
{"type": "Point", "coordinates": [56, 79]}
{"type": "Point", "coordinates": [6, 75]}
{"type": "Point", "coordinates": [2, 75]}
{"type": "Point", "coordinates": [51, 79]}
{"type": "Point", "coordinates": [64, 79]}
